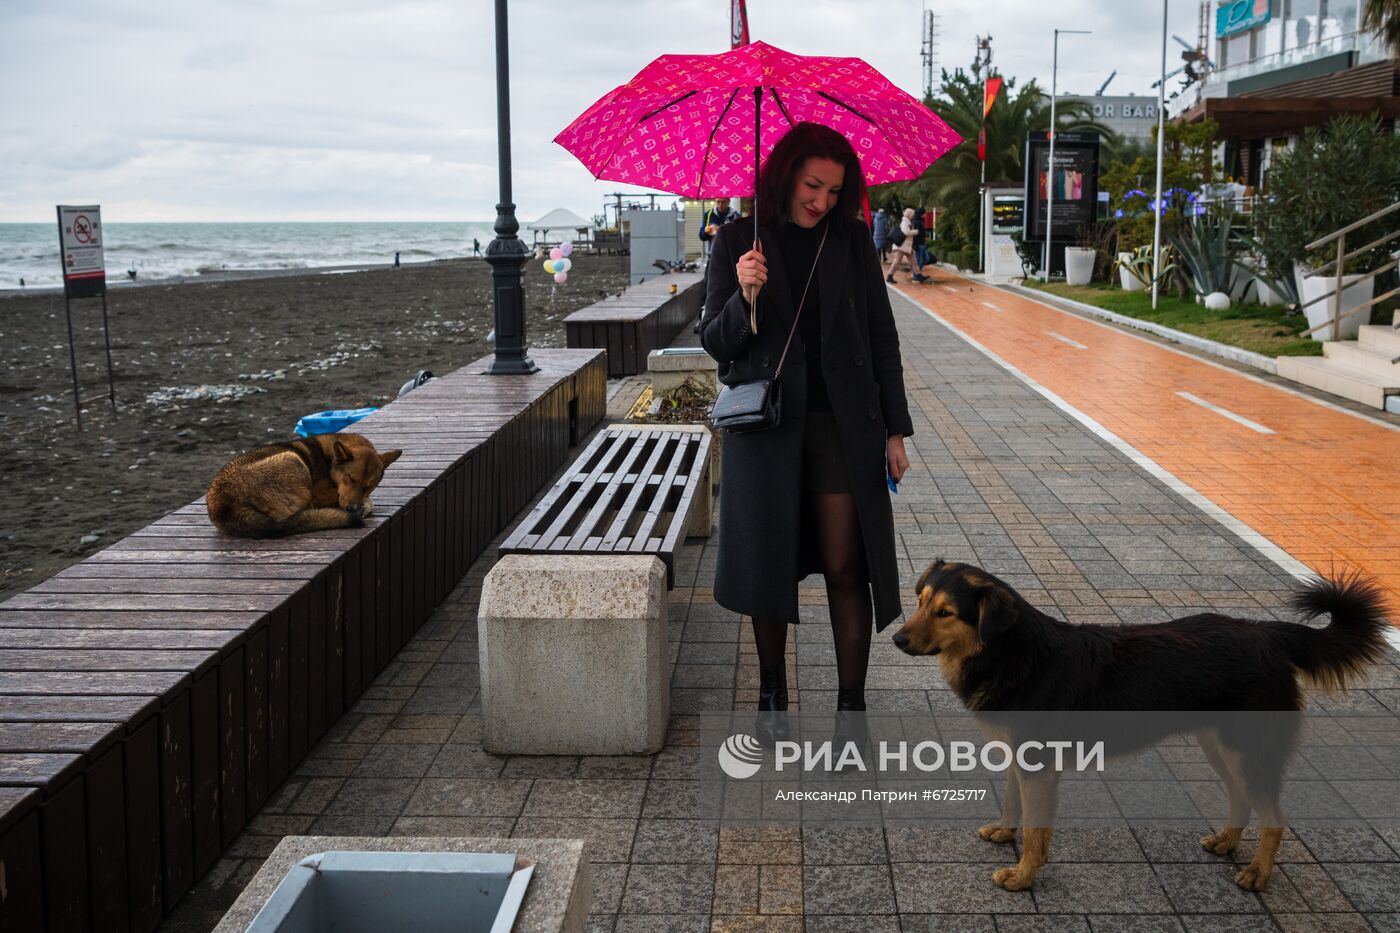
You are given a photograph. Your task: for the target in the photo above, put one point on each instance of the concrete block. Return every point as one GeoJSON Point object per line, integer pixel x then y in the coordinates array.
{"type": "Point", "coordinates": [573, 655]}
{"type": "Point", "coordinates": [673, 365]}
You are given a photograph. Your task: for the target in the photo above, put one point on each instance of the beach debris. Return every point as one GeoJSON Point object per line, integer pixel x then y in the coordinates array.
{"type": "Point", "coordinates": [269, 375]}
{"type": "Point", "coordinates": [168, 396]}
{"type": "Point", "coordinates": [87, 539]}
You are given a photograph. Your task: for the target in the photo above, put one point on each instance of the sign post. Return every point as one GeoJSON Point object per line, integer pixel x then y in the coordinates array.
{"type": "Point", "coordinates": [84, 276]}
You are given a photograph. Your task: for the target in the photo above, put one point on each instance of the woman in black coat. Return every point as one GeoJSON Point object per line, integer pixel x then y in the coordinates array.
{"type": "Point", "coordinates": [809, 495]}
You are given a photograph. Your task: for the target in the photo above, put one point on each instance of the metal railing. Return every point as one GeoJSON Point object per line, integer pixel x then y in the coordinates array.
{"type": "Point", "coordinates": [1337, 268]}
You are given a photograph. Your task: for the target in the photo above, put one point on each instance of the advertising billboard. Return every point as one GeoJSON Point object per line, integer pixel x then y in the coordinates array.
{"type": "Point", "coordinates": [1075, 181]}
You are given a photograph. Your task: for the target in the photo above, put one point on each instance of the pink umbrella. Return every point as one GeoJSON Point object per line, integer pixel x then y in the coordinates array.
{"type": "Point", "coordinates": [688, 124]}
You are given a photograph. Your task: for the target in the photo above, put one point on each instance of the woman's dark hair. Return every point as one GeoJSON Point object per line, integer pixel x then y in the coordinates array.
{"type": "Point", "coordinates": [805, 141]}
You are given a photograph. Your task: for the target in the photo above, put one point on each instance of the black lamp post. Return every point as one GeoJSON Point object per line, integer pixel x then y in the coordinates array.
{"type": "Point", "coordinates": [506, 253]}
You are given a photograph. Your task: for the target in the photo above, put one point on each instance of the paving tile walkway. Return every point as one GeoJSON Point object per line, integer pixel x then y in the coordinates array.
{"type": "Point", "coordinates": [999, 476]}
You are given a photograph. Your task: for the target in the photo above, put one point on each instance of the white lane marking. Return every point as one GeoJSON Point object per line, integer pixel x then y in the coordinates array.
{"type": "Point", "coordinates": [949, 288]}
{"type": "Point", "coordinates": [1024, 293]}
{"type": "Point", "coordinates": [1064, 339]}
{"type": "Point", "coordinates": [1238, 419]}
{"type": "Point", "coordinates": [993, 307]}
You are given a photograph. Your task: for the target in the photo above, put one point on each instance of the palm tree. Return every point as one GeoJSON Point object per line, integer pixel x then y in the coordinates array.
{"type": "Point", "coordinates": [952, 183]}
{"type": "Point", "coordinates": [1383, 18]}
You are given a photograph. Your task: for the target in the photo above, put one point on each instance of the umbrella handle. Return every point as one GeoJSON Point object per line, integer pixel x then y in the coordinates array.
{"type": "Point", "coordinates": [757, 146]}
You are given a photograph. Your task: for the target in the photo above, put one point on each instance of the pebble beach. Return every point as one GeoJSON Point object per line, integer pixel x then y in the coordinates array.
{"type": "Point", "coordinates": [205, 370]}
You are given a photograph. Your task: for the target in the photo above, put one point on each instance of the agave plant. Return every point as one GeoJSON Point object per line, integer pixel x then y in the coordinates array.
{"type": "Point", "coordinates": [1206, 252]}
{"type": "Point", "coordinates": [1139, 265]}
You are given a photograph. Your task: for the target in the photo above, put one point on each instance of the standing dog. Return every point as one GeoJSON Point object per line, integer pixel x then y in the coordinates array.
{"type": "Point", "coordinates": [1000, 654]}
{"type": "Point", "coordinates": [320, 482]}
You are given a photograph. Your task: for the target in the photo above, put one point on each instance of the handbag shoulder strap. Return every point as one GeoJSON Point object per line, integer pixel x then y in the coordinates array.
{"type": "Point", "coordinates": [796, 317]}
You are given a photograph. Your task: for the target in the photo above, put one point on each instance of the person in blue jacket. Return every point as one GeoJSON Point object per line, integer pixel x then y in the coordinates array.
{"type": "Point", "coordinates": [882, 233]}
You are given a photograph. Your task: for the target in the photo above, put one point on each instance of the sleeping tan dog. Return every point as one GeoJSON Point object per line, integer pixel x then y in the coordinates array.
{"type": "Point", "coordinates": [323, 481]}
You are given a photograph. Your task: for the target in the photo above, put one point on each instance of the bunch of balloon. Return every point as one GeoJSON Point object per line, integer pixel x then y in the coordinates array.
{"type": "Point", "coordinates": [558, 264]}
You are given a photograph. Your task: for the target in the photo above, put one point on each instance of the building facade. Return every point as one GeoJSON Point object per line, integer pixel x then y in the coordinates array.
{"type": "Point", "coordinates": [1281, 66]}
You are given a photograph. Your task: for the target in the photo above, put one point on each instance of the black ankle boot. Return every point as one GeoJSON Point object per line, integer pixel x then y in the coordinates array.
{"type": "Point", "coordinates": [772, 688]}
{"type": "Point", "coordinates": [771, 722]}
{"type": "Point", "coordinates": [850, 726]}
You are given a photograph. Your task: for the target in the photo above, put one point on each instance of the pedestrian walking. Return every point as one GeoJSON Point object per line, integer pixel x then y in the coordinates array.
{"type": "Point", "coordinates": [904, 249]}
{"type": "Point", "coordinates": [921, 257]}
{"type": "Point", "coordinates": [712, 220]}
{"type": "Point", "coordinates": [476, 247]}
{"type": "Point", "coordinates": [881, 233]}
{"type": "Point", "coordinates": [396, 260]}
{"type": "Point", "coordinates": [809, 495]}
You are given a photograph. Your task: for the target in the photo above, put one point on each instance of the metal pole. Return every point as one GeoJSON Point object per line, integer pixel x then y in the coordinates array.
{"type": "Point", "coordinates": [1337, 295]}
{"type": "Point", "coordinates": [1050, 157]}
{"type": "Point", "coordinates": [73, 357]}
{"type": "Point", "coordinates": [506, 254]}
{"type": "Point", "coordinates": [1161, 148]}
{"type": "Point", "coordinates": [107, 337]}
{"type": "Point", "coordinates": [757, 153]}
{"type": "Point", "coordinates": [981, 201]}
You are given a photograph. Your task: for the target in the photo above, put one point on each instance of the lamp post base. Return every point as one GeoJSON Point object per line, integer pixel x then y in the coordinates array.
{"type": "Point", "coordinates": [507, 256]}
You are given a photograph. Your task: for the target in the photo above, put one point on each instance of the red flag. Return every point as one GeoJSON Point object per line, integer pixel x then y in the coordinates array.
{"type": "Point", "coordinates": [982, 143]}
{"type": "Point", "coordinates": [738, 24]}
{"type": "Point", "coordinates": [989, 95]}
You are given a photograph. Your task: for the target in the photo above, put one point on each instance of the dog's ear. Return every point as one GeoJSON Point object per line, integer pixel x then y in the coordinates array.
{"type": "Point", "coordinates": [340, 454]}
{"type": "Point", "coordinates": [996, 612]}
{"type": "Point", "coordinates": [389, 456]}
{"type": "Point", "coordinates": [928, 575]}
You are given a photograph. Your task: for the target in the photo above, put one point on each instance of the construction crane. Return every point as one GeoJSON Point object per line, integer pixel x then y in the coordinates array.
{"type": "Point", "coordinates": [1113, 74]}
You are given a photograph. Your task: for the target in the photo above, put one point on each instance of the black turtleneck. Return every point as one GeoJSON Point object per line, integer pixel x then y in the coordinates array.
{"type": "Point", "coordinates": [799, 247]}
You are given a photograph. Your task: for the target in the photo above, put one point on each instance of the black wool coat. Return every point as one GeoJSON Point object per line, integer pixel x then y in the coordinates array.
{"type": "Point", "coordinates": [767, 539]}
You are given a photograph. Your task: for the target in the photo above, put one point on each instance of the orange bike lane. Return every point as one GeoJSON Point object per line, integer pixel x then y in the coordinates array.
{"type": "Point", "coordinates": [1318, 482]}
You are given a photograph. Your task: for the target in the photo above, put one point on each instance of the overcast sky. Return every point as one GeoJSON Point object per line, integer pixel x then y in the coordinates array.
{"type": "Point", "coordinates": [183, 110]}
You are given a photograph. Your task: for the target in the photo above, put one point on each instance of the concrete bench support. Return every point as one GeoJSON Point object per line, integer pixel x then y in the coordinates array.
{"type": "Point", "coordinates": [574, 655]}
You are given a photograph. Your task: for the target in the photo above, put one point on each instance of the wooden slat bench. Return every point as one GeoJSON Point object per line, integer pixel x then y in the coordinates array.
{"type": "Point", "coordinates": [646, 317]}
{"type": "Point", "coordinates": [589, 568]}
{"type": "Point", "coordinates": [634, 490]}
{"type": "Point", "coordinates": [154, 695]}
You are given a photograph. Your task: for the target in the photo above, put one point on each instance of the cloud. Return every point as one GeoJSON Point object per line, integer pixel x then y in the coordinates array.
{"type": "Point", "coordinates": [360, 109]}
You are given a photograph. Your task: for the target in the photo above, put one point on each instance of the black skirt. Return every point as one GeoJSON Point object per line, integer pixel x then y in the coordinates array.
{"type": "Point", "coordinates": [823, 460]}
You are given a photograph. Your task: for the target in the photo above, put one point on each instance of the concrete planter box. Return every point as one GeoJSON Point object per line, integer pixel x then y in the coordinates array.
{"type": "Point", "coordinates": [424, 884]}
{"type": "Point", "coordinates": [428, 892]}
{"type": "Point", "coordinates": [673, 365]}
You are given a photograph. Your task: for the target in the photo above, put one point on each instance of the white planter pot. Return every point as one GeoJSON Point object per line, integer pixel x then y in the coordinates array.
{"type": "Point", "coordinates": [1354, 294]}
{"type": "Point", "coordinates": [1266, 295]}
{"type": "Point", "coordinates": [1129, 281]}
{"type": "Point", "coordinates": [1079, 265]}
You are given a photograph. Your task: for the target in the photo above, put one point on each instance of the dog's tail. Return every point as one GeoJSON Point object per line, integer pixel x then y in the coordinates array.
{"type": "Point", "coordinates": [1333, 657]}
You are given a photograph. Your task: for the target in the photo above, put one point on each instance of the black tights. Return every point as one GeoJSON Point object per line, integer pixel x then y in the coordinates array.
{"type": "Point", "coordinates": [847, 593]}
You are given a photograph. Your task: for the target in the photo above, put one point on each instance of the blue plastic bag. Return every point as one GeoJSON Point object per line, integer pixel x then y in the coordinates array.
{"type": "Point", "coordinates": [329, 422]}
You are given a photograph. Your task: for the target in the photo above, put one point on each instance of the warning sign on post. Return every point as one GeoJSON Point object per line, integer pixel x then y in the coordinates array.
{"type": "Point", "coordinates": [80, 237]}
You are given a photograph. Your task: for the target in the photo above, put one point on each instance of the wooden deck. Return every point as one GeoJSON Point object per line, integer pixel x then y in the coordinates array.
{"type": "Point", "coordinates": [645, 317]}
{"type": "Point", "coordinates": [154, 694]}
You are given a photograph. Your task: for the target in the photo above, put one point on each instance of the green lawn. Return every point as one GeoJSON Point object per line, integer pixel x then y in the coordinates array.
{"type": "Point", "coordinates": [1266, 330]}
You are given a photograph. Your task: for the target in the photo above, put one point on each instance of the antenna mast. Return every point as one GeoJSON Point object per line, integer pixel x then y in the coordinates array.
{"type": "Point", "coordinates": [929, 51]}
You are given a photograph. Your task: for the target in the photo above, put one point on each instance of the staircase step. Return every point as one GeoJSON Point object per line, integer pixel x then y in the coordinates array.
{"type": "Point", "coordinates": [1337, 378]}
{"type": "Point", "coordinates": [1380, 338]}
{"type": "Point", "coordinates": [1363, 359]}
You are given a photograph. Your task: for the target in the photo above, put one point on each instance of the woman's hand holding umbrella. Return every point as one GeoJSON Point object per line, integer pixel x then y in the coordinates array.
{"type": "Point", "coordinates": [752, 272]}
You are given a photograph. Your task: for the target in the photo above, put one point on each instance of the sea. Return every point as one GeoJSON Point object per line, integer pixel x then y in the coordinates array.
{"type": "Point", "coordinates": [156, 251]}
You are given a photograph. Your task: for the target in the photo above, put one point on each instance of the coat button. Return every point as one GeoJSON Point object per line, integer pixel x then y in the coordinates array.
{"type": "Point", "coordinates": [870, 414]}
{"type": "Point", "coordinates": [860, 360]}
{"type": "Point", "coordinates": [766, 360]}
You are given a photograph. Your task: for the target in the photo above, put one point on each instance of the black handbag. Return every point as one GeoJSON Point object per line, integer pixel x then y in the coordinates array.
{"type": "Point", "coordinates": [758, 404]}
